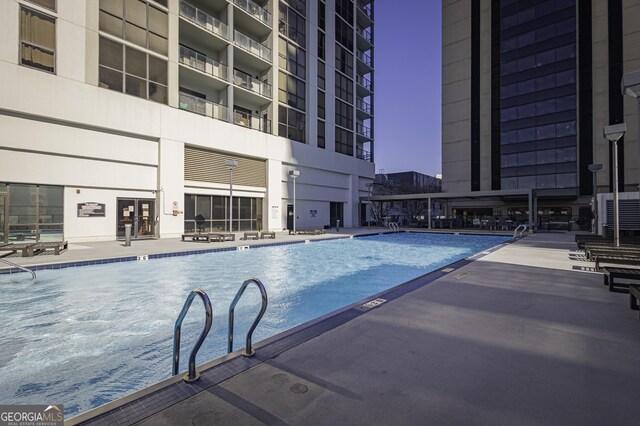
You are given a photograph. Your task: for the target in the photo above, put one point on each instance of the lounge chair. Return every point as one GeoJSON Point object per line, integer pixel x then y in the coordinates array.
{"type": "Point", "coordinates": [611, 273]}
{"type": "Point", "coordinates": [634, 296]}
{"type": "Point", "coordinates": [22, 247]}
{"type": "Point", "coordinates": [202, 237]}
{"type": "Point", "coordinates": [616, 259]}
{"type": "Point", "coordinates": [57, 247]}
{"type": "Point", "coordinates": [251, 235]}
{"type": "Point", "coordinates": [267, 234]}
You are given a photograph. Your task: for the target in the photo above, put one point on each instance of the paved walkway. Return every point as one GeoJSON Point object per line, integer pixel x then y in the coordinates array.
{"type": "Point", "coordinates": [522, 336]}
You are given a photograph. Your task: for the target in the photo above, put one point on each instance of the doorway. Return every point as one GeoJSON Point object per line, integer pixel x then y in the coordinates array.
{"type": "Point", "coordinates": [140, 213]}
{"type": "Point", "coordinates": [290, 217]}
{"type": "Point", "coordinates": [336, 213]}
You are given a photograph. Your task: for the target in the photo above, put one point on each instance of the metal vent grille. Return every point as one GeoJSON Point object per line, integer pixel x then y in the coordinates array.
{"type": "Point", "coordinates": [629, 213]}
{"type": "Point", "coordinates": [208, 166]}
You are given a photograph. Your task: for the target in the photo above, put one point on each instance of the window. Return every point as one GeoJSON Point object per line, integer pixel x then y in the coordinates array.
{"type": "Point", "coordinates": [36, 213]}
{"type": "Point", "coordinates": [321, 15]}
{"type": "Point", "coordinates": [136, 21]}
{"type": "Point", "coordinates": [291, 91]}
{"type": "Point", "coordinates": [344, 60]}
{"type": "Point", "coordinates": [344, 9]}
{"type": "Point", "coordinates": [299, 6]}
{"type": "Point", "coordinates": [321, 75]}
{"type": "Point", "coordinates": [292, 58]}
{"type": "Point", "coordinates": [321, 104]}
{"type": "Point", "coordinates": [344, 141]}
{"type": "Point", "coordinates": [291, 124]}
{"type": "Point", "coordinates": [344, 88]}
{"type": "Point", "coordinates": [321, 46]}
{"type": "Point", "coordinates": [292, 25]}
{"type": "Point", "coordinates": [344, 115]}
{"type": "Point", "coordinates": [47, 4]}
{"type": "Point", "coordinates": [321, 137]}
{"type": "Point", "coordinates": [132, 71]}
{"type": "Point", "coordinates": [37, 40]}
{"type": "Point", "coordinates": [344, 34]}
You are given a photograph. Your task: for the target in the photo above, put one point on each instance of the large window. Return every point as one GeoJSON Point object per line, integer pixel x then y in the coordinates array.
{"type": "Point", "coordinates": [321, 75]}
{"type": "Point", "coordinates": [207, 213]}
{"type": "Point", "coordinates": [344, 60]}
{"type": "Point", "coordinates": [292, 124]}
{"type": "Point", "coordinates": [321, 134]}
{"type": "Point", "coordinates": [344, 34]}
{"type": "Point", "coordinates": [321, 104]}
{"type": "Point", "coordinates": [292, 58]}
{"type": "Point", "coordinates": [344, 9]}
{"type": "Point", "coordinates": [292, 24]}
{"type": "Point", "coordinates": [291, 91]}
{"type": "Point", "coordinates": [37, 40]}
{"type": "Point", "coordinates": [344, 141]}
{"type": "Point", "coordinates": [132, 71]}
{"type": "Point", "coordinates": [137, 22]}
{"type": "Point", "coordinates": [34, 213]}
{"type": "Point", "coordinates": [47, 4]}
{"type": "Point", "coordinates": [344, 115]}
{"type": "Point", "coordinates": [344, 88]}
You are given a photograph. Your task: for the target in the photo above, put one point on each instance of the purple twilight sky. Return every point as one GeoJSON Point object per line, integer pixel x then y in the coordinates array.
{"type": "Point", "coordinates": [408, 69]}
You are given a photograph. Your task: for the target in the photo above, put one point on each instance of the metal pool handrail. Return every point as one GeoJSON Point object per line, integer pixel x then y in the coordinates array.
{"type": "Point", "coordinates": [515, 232]}
{"type": "Point", "coordinates": [22, 268]}
{"type": "Point", "coordinates": [394, 227]}
{"type": "Point", "coordinates": [248, 350]}
{"type": "Point", "coordinates": [193, 375]}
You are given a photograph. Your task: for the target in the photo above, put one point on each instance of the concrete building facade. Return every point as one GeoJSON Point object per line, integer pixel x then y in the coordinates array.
{"type": "Point", "coordinates": [125, 111]}
{"type": "Point", "coordinates": [527, 88]}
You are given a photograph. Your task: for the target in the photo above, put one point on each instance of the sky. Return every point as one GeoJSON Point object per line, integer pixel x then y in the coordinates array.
{"type": "Point", "coordinates": [407, 97]}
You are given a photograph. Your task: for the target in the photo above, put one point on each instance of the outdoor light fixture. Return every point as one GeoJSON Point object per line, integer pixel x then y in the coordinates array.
{"type": "Point", "coordinates": [595, 168]}
{"type": "Point", "coordinates": [294, 174]}
{"type": "Point", "coordinates": [231, 165]}
{"type": "Point", "coordinates": [613, 134]}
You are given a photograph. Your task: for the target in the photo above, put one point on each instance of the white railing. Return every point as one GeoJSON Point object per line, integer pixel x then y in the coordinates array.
{"type": "Point", "coordinates": [251, 121]}
{"type": "Point", "coordinates": [203, 107]}
{"type": "Point", "coordinates": [252, 46]}
{"type": "Point", "coordinates": [242, 79]}
{"type": "Point", "coordinates": [203, 20]}
{"type": "Point", "coordinates": [200, 62]}
{"type": "Point", "coordinates": [254, 10]}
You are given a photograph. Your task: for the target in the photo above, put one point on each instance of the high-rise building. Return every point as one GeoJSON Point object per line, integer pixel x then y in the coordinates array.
{"type": "Point", "coordinates": [528, 86]}
{"type": "Point", "coordinates": [127, 111]}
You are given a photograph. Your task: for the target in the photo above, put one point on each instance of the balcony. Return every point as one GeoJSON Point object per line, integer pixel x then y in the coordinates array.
{"type": "Point", "coordinates": [204, 20]}
{"type": "Point", "coordinates": [364, 106]}
{"type": "Point", "coordinates": [366, 8]}
{"type": "Point", "coordinates": [364, 82]}
{"type": "Point", "coordinates": [203, 107]}
{"type": "Point", "coordinates": [362, 130]}
{"type": "Point", "coordinates": [365, 33]}
{"type": "Point", "coordinates": [249, 121]}
{"type": "Point", "coordinates": [362, 154]}
{"type": "Point", "coordinates": [200, 62]}
{"type": "Point", "coordinates": [253, 9]}
{"type": "Point", "coordinates": [244, 80]}
{"type": "Point", "coordinates": [248, 44]}
{"type": "Point", "coordinates": [365, 58]}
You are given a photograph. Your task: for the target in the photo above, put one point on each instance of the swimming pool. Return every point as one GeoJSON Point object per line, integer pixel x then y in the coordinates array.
{"type": "Point", "coordinates": [85, 336]}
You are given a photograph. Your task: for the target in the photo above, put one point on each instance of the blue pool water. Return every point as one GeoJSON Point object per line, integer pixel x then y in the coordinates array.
{"type": "Point", "coordinates": [86, 336]}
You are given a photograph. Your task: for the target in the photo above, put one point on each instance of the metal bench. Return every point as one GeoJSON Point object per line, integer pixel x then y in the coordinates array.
{"type": "Point", "coordinates": [611, 273]}
{"type": "Point", "coordinates": [634, 296]}
{"type": "Point", "coordinates": [22, 247]}
{"type": "Point", "coordinates": [225, 237]}
{"type": "Point", "coordinates": [617, 259]}
{"type": "Point", "coordinates": [251, 235]}
{"type": "Point", "coordinates": [268, 234]}
{"type": "Point", "coordinates": [202, 237]}
{"type": "Point", "coordinates": [57, 247]}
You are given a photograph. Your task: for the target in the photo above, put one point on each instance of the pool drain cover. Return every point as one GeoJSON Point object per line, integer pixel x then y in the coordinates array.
{"type": "Point", "coordinates": [373, 303]}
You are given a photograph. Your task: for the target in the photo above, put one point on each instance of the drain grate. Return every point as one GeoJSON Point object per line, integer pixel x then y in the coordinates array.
{"type": "Point", "coordinates": [373, 303]}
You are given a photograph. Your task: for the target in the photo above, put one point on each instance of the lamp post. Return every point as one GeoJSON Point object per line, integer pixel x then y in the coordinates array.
{"type": "Point", "coordinates": [370, 188]}
{"type": "Point", "coordinates": [613, 134]}
{"type": "Point", "coordinates": [631, 87]}
{"type": "Point", "coordinates": [594, 168]}
{"type": "Point", "coordinates": [231, 165]}
{"type": "Point", "coordinates": [294, 174]}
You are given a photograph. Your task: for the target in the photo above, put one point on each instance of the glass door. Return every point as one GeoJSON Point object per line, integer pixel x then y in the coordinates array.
{"type": "Point", "coordinates": [145, 223]}
{"type": "Point", "coordinates": [126, 215]}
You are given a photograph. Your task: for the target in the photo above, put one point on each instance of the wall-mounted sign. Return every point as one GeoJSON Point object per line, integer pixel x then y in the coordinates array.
{"type": "Point", "coordinates": [91, 210]}
{"type": "Point", "coordinates": [313, 213]}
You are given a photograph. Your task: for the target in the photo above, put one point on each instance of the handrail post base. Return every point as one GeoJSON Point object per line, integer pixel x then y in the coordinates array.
{"type": "Point", "coordinates": [248, 354]}
{"type": "Point", "coordinates": [188, 380]}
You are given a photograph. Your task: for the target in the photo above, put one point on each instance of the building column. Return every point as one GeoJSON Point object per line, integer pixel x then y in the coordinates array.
{"type": "Point", "coordinates": [170, 190]}
{"type": "Point", "coordinates": [272, 207]}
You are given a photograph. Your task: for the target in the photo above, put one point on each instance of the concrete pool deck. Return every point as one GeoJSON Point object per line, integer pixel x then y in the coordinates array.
{"type": "Point", "coordinates": [526, 334]}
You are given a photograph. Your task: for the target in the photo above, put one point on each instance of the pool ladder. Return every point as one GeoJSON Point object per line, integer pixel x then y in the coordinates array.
{"type": "Point", "coordinates": [248, 351]}
{"type": "Point", "coordinates": [519, 234]}
{"type": "Point", "coordinates": [394, 227]}
{"type": "Point", "coordinates": [22, 268]}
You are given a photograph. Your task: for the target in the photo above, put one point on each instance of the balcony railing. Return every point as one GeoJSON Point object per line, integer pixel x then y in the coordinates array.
{"type": "Point", "coordinates": [364, 57]}
{"type": "Point", "coordinates": [362, 154]}
{"type": "Point", "coordinates": [252, 46]}
{"type": "Point", "coordinates": [363, 130]}
{"type": "Point", "coordinates": [255, 10]}
{"type": "Point", "coordinates": [242, 79]}
{"type": "Point", "coordinates": [203, 107]}
{"type": "Point", "coordinates": [200, 62]}
{"type": "Point", "coordinates": [367, 8]}
{"type": "Point", "coordinates": [244, 119]}
{"type": "Point", "coordinates": [204, 20]}
{"type": "Point", "coordinates": [364, 82]}
{"type": "Point", "coordinates": [366, 33]}
{"type": "Point", "coordinates": [363, 106]}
